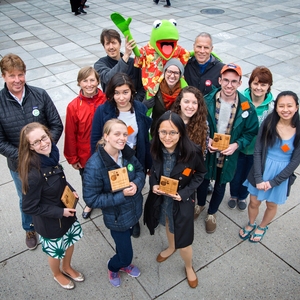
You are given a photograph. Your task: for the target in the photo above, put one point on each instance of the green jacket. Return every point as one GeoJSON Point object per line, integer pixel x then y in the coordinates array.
{"type": "Point", "coordinates": [262, 111]}
{"type": "Point", "coordinates": [244, 129]}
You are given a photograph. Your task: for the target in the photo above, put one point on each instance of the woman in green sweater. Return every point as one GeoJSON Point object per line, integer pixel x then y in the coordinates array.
{"type": "Point", "coordinates": [258, 93]}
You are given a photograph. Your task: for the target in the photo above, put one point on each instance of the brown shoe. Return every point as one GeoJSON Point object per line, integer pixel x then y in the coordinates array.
{"type": "Point", "coordinates": [31, 240]}
{"type": "Point", "coordinates": [198, 210]}
{"type": "Point", "coordinates": [192, 283]}
{"type": "Point", "coordinates": [160, 258]}
{"type": "Point", "coordinates": [210, 223]}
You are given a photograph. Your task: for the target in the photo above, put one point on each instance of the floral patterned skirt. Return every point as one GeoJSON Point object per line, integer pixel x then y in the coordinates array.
{"type": "Point", "coordinates": [56, 248]}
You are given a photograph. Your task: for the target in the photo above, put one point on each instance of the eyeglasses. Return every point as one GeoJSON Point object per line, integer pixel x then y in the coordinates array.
{"type": "Point", "coordinates": [175, 73]}
{"type": "Point", "coordinates": [233, 82]}
{"type": "Point", "coordinates": [164, 133]}
{"type": "Point", "coordinates": [38, 142]}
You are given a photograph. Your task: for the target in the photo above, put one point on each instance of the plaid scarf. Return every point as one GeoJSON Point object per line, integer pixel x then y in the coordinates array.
{"type": "Point", "coordinates": [220, 157]}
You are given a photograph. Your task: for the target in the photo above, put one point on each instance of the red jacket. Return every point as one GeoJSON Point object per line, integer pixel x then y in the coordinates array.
{"type": "Point", "coordinates": [80, 113]}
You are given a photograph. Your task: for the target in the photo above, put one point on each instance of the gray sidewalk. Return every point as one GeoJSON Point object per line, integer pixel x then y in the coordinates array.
{"type": "Point", "coordinates": [54, 45]}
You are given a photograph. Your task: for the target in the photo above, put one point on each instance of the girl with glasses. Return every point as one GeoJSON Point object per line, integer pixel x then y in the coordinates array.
{"type": "Point", "coordinates": [43, 183]}
{"type": "Point", "coordinates": [175, 156]}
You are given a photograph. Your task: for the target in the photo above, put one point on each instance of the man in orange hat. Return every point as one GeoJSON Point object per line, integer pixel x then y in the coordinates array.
{"type": "Point", "coordinates": [229, 112]}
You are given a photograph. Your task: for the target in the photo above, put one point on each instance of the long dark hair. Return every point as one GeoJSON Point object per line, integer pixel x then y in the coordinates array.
{"type": "Point", "coordinates": [197, 125]}
{"type": "Point", "coordinates": [185, 146]}
{"type": "Point", "coordinates": [117, 80]}
{"type": "Point", "coordinates": [269, 132]}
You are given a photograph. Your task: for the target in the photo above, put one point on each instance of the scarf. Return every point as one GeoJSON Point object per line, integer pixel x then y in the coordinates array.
{"type": "Point", "coordinates": [169, 95]}
{"type": "Point", "coordinates": [52, 160]}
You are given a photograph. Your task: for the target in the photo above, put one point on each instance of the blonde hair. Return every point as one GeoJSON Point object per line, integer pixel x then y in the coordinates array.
{"type": "Point", "coordinates": [107, 129]}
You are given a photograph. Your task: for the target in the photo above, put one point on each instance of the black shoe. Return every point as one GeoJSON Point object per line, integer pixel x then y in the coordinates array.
{"type": "Point", "coordinates": [136, 230]}
{"type": "Point", "coordinates": [82, 11]}
{"type": "Point", "coordinates": [77, 13]}
{"type": "Point", "coordinates": [210, 189]}
{"type": "Point", "coordinates": [86, 215]}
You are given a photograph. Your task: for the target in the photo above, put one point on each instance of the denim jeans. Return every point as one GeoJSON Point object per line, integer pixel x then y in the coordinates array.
{"type": "Point", "coordinates": [237, 189]}
{"type": "Point", "coordinates": [217, 195]}
{"type": "Point", "coordinates": [26, 219]}
{"type": "Point", "coordinates": [124, 251]}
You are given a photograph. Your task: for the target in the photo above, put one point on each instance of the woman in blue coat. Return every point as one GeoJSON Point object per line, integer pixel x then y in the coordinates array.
{"type": "Point", "coordinates": [121, 209]}
{"type": "Point", "coordinates": [120, 104]}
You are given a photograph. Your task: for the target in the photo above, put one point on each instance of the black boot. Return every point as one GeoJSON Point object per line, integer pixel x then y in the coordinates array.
{"type": "Point", "coordinates": [136, 230]}
{"type": "Point", "coordinates": [81, 10]}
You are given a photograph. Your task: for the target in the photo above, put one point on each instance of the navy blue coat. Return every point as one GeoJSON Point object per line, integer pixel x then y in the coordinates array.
{"type": "Point", "coordinates": [119, 212]}
{"type": "Point", "coordinates": [107, 111]}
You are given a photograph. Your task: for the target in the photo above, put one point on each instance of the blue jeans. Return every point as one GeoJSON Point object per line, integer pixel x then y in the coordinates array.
{"type": "Point", "coordinates": [237, 189]}
{"type": "Point", "coordinates": [26, 219]}
{"type": "Point", "coordinates": [124, 251]}
{"type": "Point", "coordinates": [217, 195]}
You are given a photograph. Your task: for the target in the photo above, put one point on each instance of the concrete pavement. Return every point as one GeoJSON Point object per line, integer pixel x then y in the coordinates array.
{"type": "Point", "coordinates": [54, 45]}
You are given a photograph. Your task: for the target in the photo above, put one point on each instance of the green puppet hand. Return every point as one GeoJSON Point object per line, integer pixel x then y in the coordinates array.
{"type": "Point", "coordinates": [123, 25]}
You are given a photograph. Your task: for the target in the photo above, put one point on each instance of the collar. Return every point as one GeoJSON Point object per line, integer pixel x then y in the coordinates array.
{"type": "Point", "coordinates": [16, 98]}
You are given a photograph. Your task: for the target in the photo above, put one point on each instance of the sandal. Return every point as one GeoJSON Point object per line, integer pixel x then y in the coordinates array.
{"type": "Point", "coordinates": [247, 232]}
{"type": "Point", "coordinates": [259, 235]}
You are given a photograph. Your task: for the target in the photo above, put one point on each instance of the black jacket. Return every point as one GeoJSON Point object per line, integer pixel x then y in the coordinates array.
{"type": "Point", "coordinates": [37, 106]}
{"type": "Point", "coordinates": [43, 202]}
{"type": "Point", "coordinates": [190, 176]}
{"type": "Point", "coordinates": [206, 81]}
{"type": "Point", "coordinates": [107, 67]}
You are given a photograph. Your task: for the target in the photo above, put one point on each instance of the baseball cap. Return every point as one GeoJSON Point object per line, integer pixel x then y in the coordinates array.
{"type": "Point", "coordinates": [232, 67]}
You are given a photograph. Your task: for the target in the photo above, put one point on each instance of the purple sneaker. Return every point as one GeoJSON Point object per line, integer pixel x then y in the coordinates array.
{"type": "Point", "coordinates": [114, 278]}
{"type": "Point", "coordinates": [131, 270]}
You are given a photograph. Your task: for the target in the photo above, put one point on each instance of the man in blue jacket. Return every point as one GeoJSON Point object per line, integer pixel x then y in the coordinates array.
{"type": "Point", "coordinates": [229, 112]}
{"type": "Point", "coordinates": [21, 104]}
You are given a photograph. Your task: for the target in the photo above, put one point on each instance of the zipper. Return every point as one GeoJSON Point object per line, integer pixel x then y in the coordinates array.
{"type": "Point", "coordinates": [59, 220]}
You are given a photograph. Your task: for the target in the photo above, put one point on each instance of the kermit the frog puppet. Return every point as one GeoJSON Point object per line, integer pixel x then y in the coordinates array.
{"type": "Point", "coordinates": [152, 57]}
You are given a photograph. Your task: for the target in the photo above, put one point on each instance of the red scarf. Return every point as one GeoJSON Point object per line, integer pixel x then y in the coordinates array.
{"type": "Point", "coordinates": [169, 95]}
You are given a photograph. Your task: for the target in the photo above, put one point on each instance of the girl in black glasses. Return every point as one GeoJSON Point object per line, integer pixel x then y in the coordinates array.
{"type": "Point", "coordinates": [174, 156]}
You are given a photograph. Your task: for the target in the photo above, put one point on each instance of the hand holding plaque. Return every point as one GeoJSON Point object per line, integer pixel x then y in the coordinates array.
{"type": "Point", "coordinates": [119, 179]}
{"type": "Point", "coordinates": [221, 141]}
{"type": "Point", "coordinates": [68, 198]}
{"type": "Point", "coordinates": [168, 185]}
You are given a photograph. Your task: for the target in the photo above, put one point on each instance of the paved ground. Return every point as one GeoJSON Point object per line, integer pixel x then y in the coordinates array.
{"type": "Point", "coordinates": [54, 45]}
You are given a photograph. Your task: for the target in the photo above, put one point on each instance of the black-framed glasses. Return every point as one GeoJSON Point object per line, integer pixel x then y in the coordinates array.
{"type": "Point", "coordinates": [170, 72]}
{"type": "Point", "coordinates": [36, 143]}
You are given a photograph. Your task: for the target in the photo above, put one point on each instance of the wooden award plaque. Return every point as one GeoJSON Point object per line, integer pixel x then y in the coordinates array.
{"type": "Point", "coordinates": [119, 179]}
{"type": "Point", "coordinates": [168, 185]}
{"type": "Point", "coordinates": [221, 141]}
{"type": "Point", "coordinates": [68, 198]}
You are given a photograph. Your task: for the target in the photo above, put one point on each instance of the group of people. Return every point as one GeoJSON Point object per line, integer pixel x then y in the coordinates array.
{"type": "Point", "coordinates": [109, 129]}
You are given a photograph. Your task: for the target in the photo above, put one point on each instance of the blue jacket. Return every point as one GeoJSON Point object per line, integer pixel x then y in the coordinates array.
{"type": "Point", "coordinates": [107, 111]}
{"type": "Point", "coordinates": [119, 212]}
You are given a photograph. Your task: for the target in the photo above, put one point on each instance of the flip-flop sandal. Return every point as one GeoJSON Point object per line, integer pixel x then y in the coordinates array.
{"type": "Point", "coordinates": [259, 235]}
{"type": "Point", "coordinates": [247, 232]}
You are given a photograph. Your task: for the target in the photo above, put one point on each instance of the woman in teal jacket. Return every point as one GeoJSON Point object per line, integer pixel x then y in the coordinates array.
{"type": "Point", "coordinates": [259, 94]}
